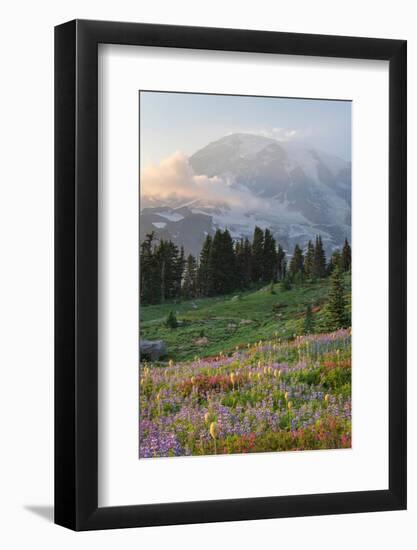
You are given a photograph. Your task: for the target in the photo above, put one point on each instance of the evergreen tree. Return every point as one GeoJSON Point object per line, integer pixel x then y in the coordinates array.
{"type": "Point", "coordinates": [281, 263]}
{"type": "Point", "coordinates": [189, 285]}
{"type": "Point", "coordinates": [346, 256]}
{"type": "Point", "coordinates": [309, 261]}
{"type": "Point", "coordinates": [222, 263]}
{"type": "Point", "coordinates": [297, 262]}
{"type": "Point", "coordinates": [247, 263]}
{"type": "Point", "coordinates": [170, 268]}
{"type": "Point", "coordinates": [243, 261]}
{"type": "Point", "coordinates": [309, 321]}
{"type": "Point", "coordinates": [150, 287]}
{"type": "Point", "coordinates": [335, 260]}
{"type": "Point", "coordinates": [319, 263]}
{"type": "Point", "coordinates": [239, 262]}
{"type": "Point", "coordinates": [171, 320]}
{"type": "Point", "coordinates": [269, 262]}
{"type": "Point", "coordinates": [179, 266]}
{"type": "Point", "coordinates": [257, 255]}
{"type": "Point", "coordinates": [204, 278]}
{"type": "Point", "coordinates": [286, 283]}
{"type": "Point", "coordinates": [336, 303]}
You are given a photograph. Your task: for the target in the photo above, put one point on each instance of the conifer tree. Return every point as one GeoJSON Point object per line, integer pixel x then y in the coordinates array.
{"type": "Point", "coordinates": [281, 263]}
{"type": "Point", "coordinates": [336, 304]}
{"type": "Point", "coordinates": [297, 262]}
{"type": "Point", "coordinates": [286, 283]}
{"type": "Point", "coordinates": [170, 268]}
{"type": "Point", "coordinates": [335, 259]}
{"type": "Point", "coordinates": [222, 263]}
{"type": "Point", "coordinates": [257, 255]}
{"type": "Point", "coordinates": [150, 288]}
{"type": "Point", "coordinates": [247, 263]}
{"type": "Point", "coordinates": [243, 263]}
{"type": "Point", "coordinates": [178, 268]}
{"type": "Point", "coordinates": [189, 285]}
{"type": "Point", "coordinates": [309, 261]}
{"type": "Point", "coordinates": [309, 321]}
{"type": "Point", "coordinates": [319, 263]}
{"type": "Point", "coordinates": [269, 262]}
{"type": "Point", "coordinates": [346, 256]}
{"type": "Point", "coordinates": [171, 320]}
{"type": "Point", "coordinates": [204, 279]}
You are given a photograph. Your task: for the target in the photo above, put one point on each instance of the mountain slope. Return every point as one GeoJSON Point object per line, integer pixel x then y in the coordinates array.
{"type": "Point", "coordinates": [295, 190]}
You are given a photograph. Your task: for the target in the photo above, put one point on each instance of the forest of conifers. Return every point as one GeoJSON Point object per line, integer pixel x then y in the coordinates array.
{"type": "Point", "coordinates": [225, 265]}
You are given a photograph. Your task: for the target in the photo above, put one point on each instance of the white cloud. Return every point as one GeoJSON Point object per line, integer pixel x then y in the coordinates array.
{"type": "Point", "coordinates": [175, 179]}
{"type": "Point", "coordinates": [280, 134]}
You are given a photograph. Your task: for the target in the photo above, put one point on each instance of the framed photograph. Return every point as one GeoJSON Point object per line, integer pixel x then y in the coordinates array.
{"type": "Point", "coordinates": [230, 244]}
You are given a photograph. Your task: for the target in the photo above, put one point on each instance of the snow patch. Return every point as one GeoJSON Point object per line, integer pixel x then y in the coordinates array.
{"type": "Point", "coordinates": [171, 216]}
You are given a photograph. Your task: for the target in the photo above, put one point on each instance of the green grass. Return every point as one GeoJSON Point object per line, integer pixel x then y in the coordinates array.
{"type": "Point", "coordinates": [219, 319]}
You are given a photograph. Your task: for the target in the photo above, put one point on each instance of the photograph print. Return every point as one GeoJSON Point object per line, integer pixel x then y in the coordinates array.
{"type": "Point", "coordinates": [245, 274]}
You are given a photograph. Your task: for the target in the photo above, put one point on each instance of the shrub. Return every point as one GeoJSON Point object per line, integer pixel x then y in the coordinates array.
{"type": "Point", "coordinates": [171, 320]}
{"type": "Point", "coordinates": [286, 284]}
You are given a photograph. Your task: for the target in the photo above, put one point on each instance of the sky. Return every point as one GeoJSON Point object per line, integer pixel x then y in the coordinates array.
{"type": "Point", "coordinates": [179, 122]}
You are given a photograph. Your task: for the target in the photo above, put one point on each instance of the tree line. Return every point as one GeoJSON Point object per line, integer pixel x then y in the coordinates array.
{"type": "Point", "coordinates": [225, 265]}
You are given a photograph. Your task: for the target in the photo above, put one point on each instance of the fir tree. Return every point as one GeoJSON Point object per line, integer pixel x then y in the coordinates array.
{"type": "Point", "coordinates": [346, 256]}
{"type": "Point", "coordinates": [150, 287]}
{"type": "Point", "coordinates": [257, 255]}
{"type": "Point", "coordinates": [170, 268]}
{"type": "Point", "coordinates": [222, 263]}
{"type": "Point", "coordinates": [281, 263]}
{"type": "Point", "coordinates": [243, 255]}
{"type": "Point", "coordinates": [179, 266]}
{"type": "Point", "coordinates": [247, 263]}
{"type": "Point", "coordinates": [336, 304]}
{"type": "Point", "coordinates": [204, 279]}
{"type": "Point", "coordinates": [286, 283]}
{"type": "Point", "coordinates": [309, 321]}
{"type": "Point", "coordinates": [335, 259]}
{"type": "Point", "coordinates": [269, 262]}
{"type": "Point", "coordinates": [309, 261]}
{"type": "Point", "coordinates": [319, 263]}
{"type": "Point", "coordinates": [189, 285]}
{"type": "Point", "coordinates": [171, 320]}
{"type": "Point", "coordinates": [297, 262]}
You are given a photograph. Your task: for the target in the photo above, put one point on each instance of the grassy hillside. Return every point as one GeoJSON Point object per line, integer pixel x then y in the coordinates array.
{"type": "Point", "coordinates": [210, 325]}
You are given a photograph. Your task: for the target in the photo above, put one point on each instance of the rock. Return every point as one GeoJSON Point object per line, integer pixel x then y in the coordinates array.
{"type": "Point", "coordinates": [231, 326]}
{"type": "Point", "coordinates": [152, 350]}
{"type": "Point", "coordinates": [246, 322]}
{"type": "Point", "coordinates": [194, 305]}
{"type": "Point", "coordinates": [201, 341]}
{"type": "Point", "coordinates": [236, 298]}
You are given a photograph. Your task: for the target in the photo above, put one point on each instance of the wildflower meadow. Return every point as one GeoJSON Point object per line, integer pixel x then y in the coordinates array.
{"type": "Point", "coordinates": [275, 395]}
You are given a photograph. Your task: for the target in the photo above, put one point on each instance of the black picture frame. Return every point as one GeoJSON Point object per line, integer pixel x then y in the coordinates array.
{"type": "Point", "coordinates": [76, 272]}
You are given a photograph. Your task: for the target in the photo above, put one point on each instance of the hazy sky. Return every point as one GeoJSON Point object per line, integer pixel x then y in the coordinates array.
{"type": "Point", "coordinates": [173, 122]}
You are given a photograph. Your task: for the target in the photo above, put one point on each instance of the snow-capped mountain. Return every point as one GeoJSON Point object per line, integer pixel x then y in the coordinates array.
{"type": "Point", "coordinates": [293, 189]}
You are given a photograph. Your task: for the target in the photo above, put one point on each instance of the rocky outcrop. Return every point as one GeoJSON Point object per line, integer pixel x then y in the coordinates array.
{"type": "Point", "coordinates": [152, 350]}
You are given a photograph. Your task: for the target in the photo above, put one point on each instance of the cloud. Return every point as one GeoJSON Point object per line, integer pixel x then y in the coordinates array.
{"type": "Point", "coordinates": [174, 179]}
{"type": "Point", "coordinates": [280, 134]}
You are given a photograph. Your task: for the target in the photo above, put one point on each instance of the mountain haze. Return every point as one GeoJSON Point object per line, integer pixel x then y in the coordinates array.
{"type": "Point", "coordinates": [292, 188]}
